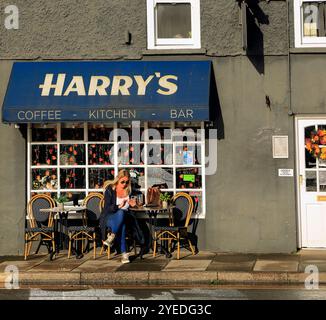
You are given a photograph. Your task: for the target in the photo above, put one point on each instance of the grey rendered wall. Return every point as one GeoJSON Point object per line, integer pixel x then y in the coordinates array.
{"type": "Point", "coordinates": [95, 29]}
{"type": "Point", "coordinates": [308, 83]}
{"type": "Point", "coordinates": [12, 180]}
{"type": "Point", "coordinates": [249, 208]}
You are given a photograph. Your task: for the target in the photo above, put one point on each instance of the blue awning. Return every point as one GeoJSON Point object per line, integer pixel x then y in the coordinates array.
{"type": "Point", "coordinates": [108, 91]}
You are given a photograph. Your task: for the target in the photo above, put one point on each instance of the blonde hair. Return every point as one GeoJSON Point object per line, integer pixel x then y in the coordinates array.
{"type": "Point", "coordinates": [113, 183]}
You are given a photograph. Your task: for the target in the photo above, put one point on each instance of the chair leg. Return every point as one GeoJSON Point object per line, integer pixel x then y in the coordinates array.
{"type": "Point", "coordinates": [102, 249]}
{"type": "Point", "coordinates": [191, 247]}
{"type": "Point", "coordinates": [29, 248]}
{"type": "Point", "coordinates": [154, 248]}
{"type": "Point", "coordinates": [94, 245]}
{"type": "Point", "coordinates": [109, 252]}
{"type": "Point", "coordinates": [39, 246]}
{"type": "Point", "coordinates": [69, 247]}
{"type": "Point", "coordinates": [26, 246]}
{"type": "Point", "coordinates": [53, 244]}
{"type": "Point", "coordinates": [178, 251]}
{"type": "Point", "coordinates": [170, 245]}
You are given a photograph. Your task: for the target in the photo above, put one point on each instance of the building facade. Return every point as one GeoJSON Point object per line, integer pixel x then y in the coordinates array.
{"type": "Point", "coordinates": [267, 68]}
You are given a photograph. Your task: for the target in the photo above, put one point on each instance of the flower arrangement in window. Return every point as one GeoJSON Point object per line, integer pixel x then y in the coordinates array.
{"type": "Point", "coordinates": [315, 144]}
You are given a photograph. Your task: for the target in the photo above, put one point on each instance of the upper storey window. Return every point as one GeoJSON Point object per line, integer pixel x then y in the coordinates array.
{"type": "Point", "coordinates": [310, 23]}
{"type": "Point", "coordinates": [173, 24]}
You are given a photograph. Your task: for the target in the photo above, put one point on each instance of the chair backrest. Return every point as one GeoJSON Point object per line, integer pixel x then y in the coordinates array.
{"type": "Point", "coordinates": [102, 204]}
{"type": "Point", "coordinates": [92, 203]}
{"type": "Point", "coordinates": [184, 207]}
{"type": "Point", "coordinates": [36, 217]}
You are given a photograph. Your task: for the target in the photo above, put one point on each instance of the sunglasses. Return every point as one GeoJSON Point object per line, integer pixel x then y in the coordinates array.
{"type": "Point", "coordinates": [124, 181]}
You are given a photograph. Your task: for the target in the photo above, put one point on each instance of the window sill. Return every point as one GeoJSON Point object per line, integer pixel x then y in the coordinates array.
{"type": "Point", "coordinates": [308, 50]}
{"type": "Point", "coordinates": [155, 52]}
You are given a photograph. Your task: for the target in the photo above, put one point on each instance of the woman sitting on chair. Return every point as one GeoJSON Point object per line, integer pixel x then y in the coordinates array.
{"type": "Point", "coordinates": [116, 204]}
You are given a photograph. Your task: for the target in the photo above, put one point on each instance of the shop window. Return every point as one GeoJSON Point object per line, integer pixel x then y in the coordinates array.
{"type": "Point", "coordinates": [44, 179]}
{"type": "Point", "coordinates": [72, 131]}
{"type": "Point", "coordinates": [73, 178]}
{"type": "Point", "coordinates": [131, 154]}
{"type": "Point", "coordinates": [160, 154]}
{"type": "Point", "coordinates": [159, 131]}
{"type": "Point", "coordinates": [173, 24]}
{"type": "Point", "coordinates": [197, 197]}
{"type": "Point", "coordinates": [188, 154]}
{"type": "Point", "coordinates": [72, 154]}
{"type": "Point", "coordinates": [100, 154]}
{"type": "Point", "coordinates": [74, 198]}
{"type": "Point", "coordinates": [44, 133]}
{"type": "Point", "coordinates": [137, 175]}
{"type": "Point", "coordinates": [159, 175]}
{"type": "Point", "coordinates": [310, 23]}
{"type": "Point", "coordinates": [100, 132]}
{"type": "Point", "coordinates": [124, 132]}
{"type": "Point", "coordinates": [44, 154]}
{"type": "Point", "coordinates": [188, 178]}
{"type": "Point", "coordinates": [156, 155]}
{"type": "Point", "coordinates": [97, 177]}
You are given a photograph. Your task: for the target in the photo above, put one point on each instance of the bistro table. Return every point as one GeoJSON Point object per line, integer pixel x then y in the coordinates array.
{"type": "Point", "coordinates": [62, 215]}
{"type": "Point", "coordinates": [152, 213]}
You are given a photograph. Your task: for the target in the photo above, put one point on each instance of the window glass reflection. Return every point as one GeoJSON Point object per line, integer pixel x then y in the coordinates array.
{"type": "Point", "coordinates": [311, 181]}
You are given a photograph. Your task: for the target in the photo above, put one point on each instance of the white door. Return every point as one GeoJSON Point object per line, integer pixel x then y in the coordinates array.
{"type": "Point", "coordinates": [312, 184]}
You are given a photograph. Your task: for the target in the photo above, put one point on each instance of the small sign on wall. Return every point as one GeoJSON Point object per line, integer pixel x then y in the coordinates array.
{"type": "Point", "coordinates": [285, 172]}
{"type": "Point", "coordinates": [280, 146]}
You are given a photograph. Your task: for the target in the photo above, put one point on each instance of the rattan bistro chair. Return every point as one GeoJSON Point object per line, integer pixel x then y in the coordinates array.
{"type": "Point", "coordinates": [178, 229]}
{"type": "Point", "coordinates": [87, 231]}
{"type": "Point", "coordinates": [40, 225]}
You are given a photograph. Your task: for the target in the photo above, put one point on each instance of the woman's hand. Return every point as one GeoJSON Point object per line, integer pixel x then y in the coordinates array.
{"type": "Point", "coordinates": [132, 202]}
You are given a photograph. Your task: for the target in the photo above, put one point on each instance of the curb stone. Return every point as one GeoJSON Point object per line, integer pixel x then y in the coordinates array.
{"type": "Point", "coordinates": [157, 278]}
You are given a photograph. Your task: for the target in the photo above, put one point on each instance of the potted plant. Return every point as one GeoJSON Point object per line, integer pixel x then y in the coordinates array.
{"type": "Point", "coordinates": [165, 198]}
{"type": "Point", "coordinates": [61, 200]}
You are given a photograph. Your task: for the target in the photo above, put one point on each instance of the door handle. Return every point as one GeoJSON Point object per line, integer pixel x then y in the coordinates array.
{"type": "Point", "coordinates": [300, 179]}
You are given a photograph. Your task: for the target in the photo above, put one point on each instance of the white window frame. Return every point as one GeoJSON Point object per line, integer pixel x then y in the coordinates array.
{"type": "Point", "coordinates": [191, 43]}
{"type": "Point", "coordinates": [116, 166]}
{"type": "Point", "coordinates": [300, 40]}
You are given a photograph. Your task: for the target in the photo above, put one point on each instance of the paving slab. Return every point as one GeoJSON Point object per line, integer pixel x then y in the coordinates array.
{"type": "Point", "coordinates": [21, 264]}
{"type": "Point", "coordinates": [312, 255]}
{"type": "Point", "coordinates": [100, 266]}
{"type": "Point", "coordinates": [144, 265]}
{"type": "Point", "coordinates": [234, 257]}
{"type": "Point", "coordinates": [202, 255]}
{"type": "Point", "coordinates": [278, 257]}
{"type": "Point", "coordinates": [31, 257]}
{"type": "Point", "coordinates": [187, 265]}
{"type": "Point", "coordinates": [320, 264]}
{"type": "Point", "coordinates": [60, 264]}
{"type": "Point", "coordinates": [276, 265]}
{"type": "Point", "coordinates": [231, 266]}
{"type": "Point", "coordinates": [149, 256]}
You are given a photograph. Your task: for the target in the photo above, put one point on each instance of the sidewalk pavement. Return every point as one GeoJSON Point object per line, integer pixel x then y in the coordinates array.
{"type": "Point", "coordinates": [205, 268]}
